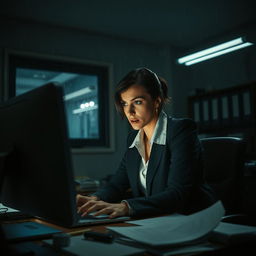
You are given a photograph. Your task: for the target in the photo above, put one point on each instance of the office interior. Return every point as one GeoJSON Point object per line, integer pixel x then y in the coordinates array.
{"type": "Point", "coordinates": [127, 35]}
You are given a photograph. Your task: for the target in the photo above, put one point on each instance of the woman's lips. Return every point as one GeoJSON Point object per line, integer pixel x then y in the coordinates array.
{"type": "Point", "coordinates": [134, 121]}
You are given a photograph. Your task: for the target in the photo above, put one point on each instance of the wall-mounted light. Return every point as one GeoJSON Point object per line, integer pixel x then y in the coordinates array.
{"type": "Point", "coordinates": [87, 104]}
{"type": "Point", "coordinates": [85, 107]}
{"type": "Point", "coordinates": [214, 51]}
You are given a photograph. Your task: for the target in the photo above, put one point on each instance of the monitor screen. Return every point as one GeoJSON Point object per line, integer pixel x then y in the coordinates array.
{"type": "Point", "coordinates": [37, 176]}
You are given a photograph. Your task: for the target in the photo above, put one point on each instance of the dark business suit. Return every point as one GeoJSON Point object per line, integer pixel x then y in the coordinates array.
{"type": "Point", "coordinates": [174, 180]}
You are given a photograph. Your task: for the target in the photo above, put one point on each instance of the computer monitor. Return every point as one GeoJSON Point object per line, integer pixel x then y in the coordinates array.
{"type": "Point", "coordinates": [36, 166]}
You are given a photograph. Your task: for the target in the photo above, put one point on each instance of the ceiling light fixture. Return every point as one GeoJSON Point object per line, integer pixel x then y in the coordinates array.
{"type": "Point", "coordinates": [78, 93]}
{"type": "Point", "coordinates": [214, 51]}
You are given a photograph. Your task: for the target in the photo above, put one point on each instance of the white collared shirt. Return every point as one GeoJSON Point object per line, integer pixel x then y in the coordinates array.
{"type": "Point", "coordinates": [159, 137]}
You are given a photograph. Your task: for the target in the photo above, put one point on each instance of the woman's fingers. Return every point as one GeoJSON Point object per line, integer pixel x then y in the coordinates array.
{"type": "Point", "coordinates": [101, 207]}
{"type": "Point", "coordinates": [83, 208]}
{"type": "Point", "coordinates": [91, 206]}
{"type": "Point", "coordinates": [80, 200]}
{"type": "Point", "coordinates": [106, 210]}
{"type": "Point", "coordinates": [114, 215]}
{"type": "Point", "coordinates": [113, 210]}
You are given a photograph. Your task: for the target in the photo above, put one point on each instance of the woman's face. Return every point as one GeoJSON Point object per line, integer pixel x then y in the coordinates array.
{"type": "Point", "coordinates": [139, 108]}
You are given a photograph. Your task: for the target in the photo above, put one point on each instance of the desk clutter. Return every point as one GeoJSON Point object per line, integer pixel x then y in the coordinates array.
{"type": "Point", "coordinates": [163, 236]}
{"type": "Point", "coordinates": [173, 230]}
{"type": "Point", "coordinates": [201, 232]}
{"type": "Point", "coordinates": [10, 214]}
{"type": "Point", "coordinates": [27, 231]}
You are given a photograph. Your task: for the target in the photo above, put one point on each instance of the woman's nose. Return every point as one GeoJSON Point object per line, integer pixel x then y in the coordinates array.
{"type": "Point", "coordinates": [131, 109]}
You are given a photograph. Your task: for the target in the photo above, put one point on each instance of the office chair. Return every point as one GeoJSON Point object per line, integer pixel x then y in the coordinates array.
{"type": "Point", "coordinates": [223, 163]}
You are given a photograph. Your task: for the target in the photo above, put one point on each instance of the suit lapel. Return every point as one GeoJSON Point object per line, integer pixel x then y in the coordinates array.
{"type": "Point", "coordinates": [155, 158]}
{"type": "Point", "coordinates": [133, 167]}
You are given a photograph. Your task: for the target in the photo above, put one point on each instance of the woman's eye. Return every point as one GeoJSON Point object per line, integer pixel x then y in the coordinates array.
{"type": "Point", "coordinates": [138, 102]}
{"type": "Point", "coordinates": [123, 104]}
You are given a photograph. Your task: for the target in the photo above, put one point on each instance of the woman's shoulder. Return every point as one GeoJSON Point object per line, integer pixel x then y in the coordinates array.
{"type": "Point", "coordinates": [175, 123]}
{"type": "Point", "coordinates": [180, 120]}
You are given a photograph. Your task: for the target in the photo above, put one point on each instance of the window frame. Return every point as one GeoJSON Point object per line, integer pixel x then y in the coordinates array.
{"type": "Point", "coordinates": [106, 141]}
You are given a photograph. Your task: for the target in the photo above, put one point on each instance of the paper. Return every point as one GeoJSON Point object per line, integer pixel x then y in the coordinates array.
{"type": "Point", "coordinates": [8, 209]}
{"type": "Point", "coordinates": [182, 230]}
{"type": "Point", "coordinates": [149, 221]}
{"type": "Point", "coordinates": [186, 249]}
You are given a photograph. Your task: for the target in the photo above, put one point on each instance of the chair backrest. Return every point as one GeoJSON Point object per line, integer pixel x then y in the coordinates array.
{"type": "Point", "coordinates": [223, 164]}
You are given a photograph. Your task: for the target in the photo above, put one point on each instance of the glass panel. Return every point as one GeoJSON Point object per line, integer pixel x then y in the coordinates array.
{"type": "Point", "coordinates": [81, 97]}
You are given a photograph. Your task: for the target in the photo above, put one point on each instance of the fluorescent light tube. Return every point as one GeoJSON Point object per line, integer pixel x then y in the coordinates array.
{"type": "Point", "coordinates": [77, 93]}
{"type": "Point", "coordinates": [214, 51]}
{"type": "Point", "coordinates": [209, 56]}
{"type": "Point", "coordinates": [210, 50]}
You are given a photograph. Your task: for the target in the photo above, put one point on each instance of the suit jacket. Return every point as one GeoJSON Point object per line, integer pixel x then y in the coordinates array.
{"type": "Point", "coordinates": [175, 179]}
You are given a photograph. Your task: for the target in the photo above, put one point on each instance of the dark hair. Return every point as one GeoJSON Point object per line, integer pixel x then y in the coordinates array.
{"type": "Point", "coordinates": [154, 85]}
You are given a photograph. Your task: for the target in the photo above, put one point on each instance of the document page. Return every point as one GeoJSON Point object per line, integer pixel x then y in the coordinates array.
{"type": "Point", "coordinates": [179, 230]}
{"type": "Point", "coordinates": [149, 221]}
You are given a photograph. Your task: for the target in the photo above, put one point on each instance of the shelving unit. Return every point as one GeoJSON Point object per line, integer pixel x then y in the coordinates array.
{"type": "Point", "coordinates": [227, 112]}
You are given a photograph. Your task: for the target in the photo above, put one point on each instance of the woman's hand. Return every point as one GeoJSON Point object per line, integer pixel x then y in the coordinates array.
{"type": "Point", "coordinates": [101, 207]}
{"type": "Point", "coordinates": [81, 200]}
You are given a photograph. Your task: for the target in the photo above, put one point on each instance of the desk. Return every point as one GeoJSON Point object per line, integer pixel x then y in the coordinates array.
{"type": "Point", "coordinates": [37, 245]}
{"type": "Point", "coordinates": [102, 228]}
{"type": "Point", "coordinates": [78, 244]}
{"type": "Point", "coordinates": [97, 227]}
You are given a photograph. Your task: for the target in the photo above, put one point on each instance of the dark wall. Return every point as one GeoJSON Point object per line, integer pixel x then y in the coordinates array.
{"type": "Point", "coordinates": [123, 55]}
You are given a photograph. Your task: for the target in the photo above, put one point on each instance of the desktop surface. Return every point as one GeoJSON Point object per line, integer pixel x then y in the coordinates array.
{"type": "Point", "coordinates": [77, 237]}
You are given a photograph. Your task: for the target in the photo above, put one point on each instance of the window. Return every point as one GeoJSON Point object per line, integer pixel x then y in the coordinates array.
{"type": "Point", "coordinates": [86, 89]}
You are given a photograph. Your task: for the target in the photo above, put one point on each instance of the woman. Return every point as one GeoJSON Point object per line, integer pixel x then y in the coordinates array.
{"type": "Point", "coordinates": [163, 162]}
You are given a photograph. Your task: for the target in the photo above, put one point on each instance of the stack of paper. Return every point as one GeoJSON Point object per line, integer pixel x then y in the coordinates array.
{"type": "Point", "coordinates": [174, 230]}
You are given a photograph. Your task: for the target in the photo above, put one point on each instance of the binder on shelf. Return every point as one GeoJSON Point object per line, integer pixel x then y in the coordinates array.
{"type": "Point", "coordinates": [196, 112]}
{"type": "Point", "coordinates": [235, 109]}
{"type": "Point", "coordinates": [226, 117]}
{"type": "Point", "coordinates": [246, 106]}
